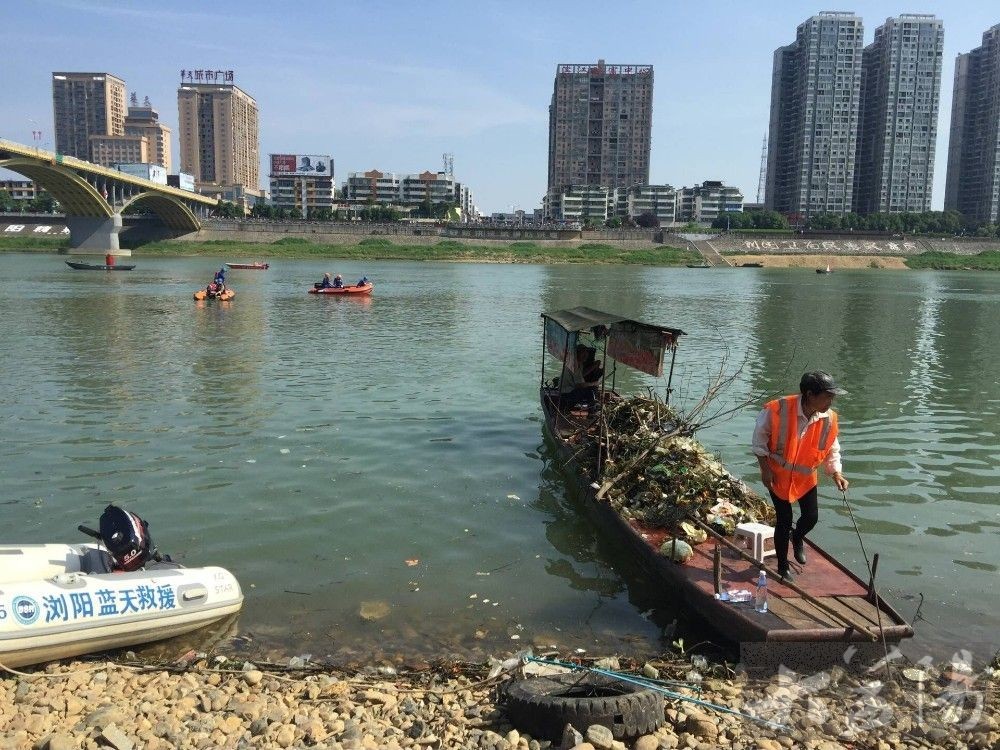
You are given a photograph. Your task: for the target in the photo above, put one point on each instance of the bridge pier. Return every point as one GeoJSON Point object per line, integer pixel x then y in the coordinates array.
{"type": "Point", "coordinates": [95, 236]}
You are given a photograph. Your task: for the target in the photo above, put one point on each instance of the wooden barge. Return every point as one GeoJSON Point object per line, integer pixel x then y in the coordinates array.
{"type": "Point", "coordinates": [829, 616]}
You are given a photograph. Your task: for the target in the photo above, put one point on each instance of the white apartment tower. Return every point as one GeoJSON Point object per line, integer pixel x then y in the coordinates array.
{"type": "Point", "coordinates": [973, 185]}
{"type": "Point", "coordinates": [900, 91]}
{"type": "Point", "coordinates": [813, 130]}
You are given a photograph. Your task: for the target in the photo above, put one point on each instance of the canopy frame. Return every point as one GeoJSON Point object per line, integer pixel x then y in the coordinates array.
{"type": "Point", "coordinates": [634, 343]}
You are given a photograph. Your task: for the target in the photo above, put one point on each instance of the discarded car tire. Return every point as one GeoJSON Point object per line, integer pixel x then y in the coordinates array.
{"type": "Point", "coordinates": [543, 706]}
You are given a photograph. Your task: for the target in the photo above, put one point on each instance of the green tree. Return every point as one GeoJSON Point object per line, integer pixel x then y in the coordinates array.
{"type": "Point", "coordinates": [824, 221]}
{"type": "Point", "coordinates": [228, 210]}
{"type": "Point", "coordinates": [43, 203]}
{"type": "Point", "coordinates": [295, 212]}
{"type": "Point", "coordinates": [261, 210]}
{"type": "Point", "coordinates": [441, 209]}
{"type": "Point", "coordinates": [850, 221]}
{"type": "Point", "coordinates": [769, 220]}
{"type": "Point", "coordinates": [647, 220]}
{"type": "Point", "coordinates": [614, 222]}
{"type": "Point", "coordinates": [6, 202]}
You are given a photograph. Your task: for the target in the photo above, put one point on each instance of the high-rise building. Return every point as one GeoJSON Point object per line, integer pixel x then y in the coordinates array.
{"type": "Point", "coordinates": [109, 150]}
{"type": "Point", "coordinates": [145, 121]}
{"type": "Point", "coordinates": [86, 104]}
{"type": "Point", "coordinates": [218, 128]}
{"type": "Point", "coordinates": [900, 89]}
{"type": "Point", "coordinates": [973, 184]}
{"type": "Point", "coordinates": [600, 121]}
{"type": "Point", "coordinates": [813, 132]}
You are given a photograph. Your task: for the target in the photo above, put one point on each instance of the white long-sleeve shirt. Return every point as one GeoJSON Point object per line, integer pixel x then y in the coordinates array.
{"type": "Point", "coordinates": [762, 436]}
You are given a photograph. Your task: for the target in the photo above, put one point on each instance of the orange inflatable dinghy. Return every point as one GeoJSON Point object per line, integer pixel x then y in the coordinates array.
{"type": "Point", "coordinates": [224, 297]}
{"type": "Point", "coordinates": [362, 289]}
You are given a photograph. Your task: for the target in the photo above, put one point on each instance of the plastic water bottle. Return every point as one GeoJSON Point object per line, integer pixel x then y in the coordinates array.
{"type": "Point", "coordinates": [760, 598]}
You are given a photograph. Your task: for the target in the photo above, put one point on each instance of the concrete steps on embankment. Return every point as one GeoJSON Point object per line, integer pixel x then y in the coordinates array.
{"type": "Point", "coordinates": [710, 254]}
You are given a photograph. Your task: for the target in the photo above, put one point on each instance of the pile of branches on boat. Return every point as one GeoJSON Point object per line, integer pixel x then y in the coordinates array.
{"type": "Point", "coordinates": [645, 461]}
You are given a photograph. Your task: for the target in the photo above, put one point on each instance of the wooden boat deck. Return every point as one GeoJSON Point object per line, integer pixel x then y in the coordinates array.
{"type": "Point", "coordinates": [809, 634]}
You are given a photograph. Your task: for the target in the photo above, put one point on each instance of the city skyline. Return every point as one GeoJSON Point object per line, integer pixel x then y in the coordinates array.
{"type": "Point", "coordinates": [365, 86]}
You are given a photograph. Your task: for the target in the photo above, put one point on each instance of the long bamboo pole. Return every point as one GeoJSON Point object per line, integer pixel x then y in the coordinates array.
{"type": "Point", "coordinates": [805, 595]}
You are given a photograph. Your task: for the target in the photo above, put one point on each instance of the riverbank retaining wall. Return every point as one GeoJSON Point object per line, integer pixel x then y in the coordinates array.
{"type": "Point", "coordinates": [401, 234]}
{"type": "Point", "coordinates": [728, 245]}
{"type": "Point", "coordinates": [140, 230]}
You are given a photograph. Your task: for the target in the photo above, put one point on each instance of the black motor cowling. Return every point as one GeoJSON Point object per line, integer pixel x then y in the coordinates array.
{"type": "Point", "coordinates": [127, 538]}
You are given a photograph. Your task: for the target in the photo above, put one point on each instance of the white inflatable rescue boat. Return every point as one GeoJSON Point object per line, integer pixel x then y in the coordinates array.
{"type": "Point", "coordinates": [63, 600]}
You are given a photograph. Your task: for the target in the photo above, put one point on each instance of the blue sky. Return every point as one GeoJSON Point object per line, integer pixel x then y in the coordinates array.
{"type": "Point", "coordinates": [393, 85]}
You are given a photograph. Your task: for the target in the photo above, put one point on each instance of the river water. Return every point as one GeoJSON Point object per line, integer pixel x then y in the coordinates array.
{"type": "Point", "coordinates": [374, 470]}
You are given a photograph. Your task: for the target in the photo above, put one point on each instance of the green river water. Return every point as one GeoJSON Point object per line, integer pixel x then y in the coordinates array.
{"type": "Point", "coordinates": [317, 447]}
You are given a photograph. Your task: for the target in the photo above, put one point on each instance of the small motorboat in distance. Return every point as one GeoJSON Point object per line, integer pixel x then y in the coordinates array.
{"type": "Point", "coordinates": [356, 289]}
{"type": "Point", "coordinates": [63, 600]}
{"type": "Point", "coordinates": [225, 296]}
{"type": "Point", "coordinates": [824, 270]}
{"type": "Point", "coordinates": [98, 266]}
{"type": "Point", "coordinates": [249, 266]}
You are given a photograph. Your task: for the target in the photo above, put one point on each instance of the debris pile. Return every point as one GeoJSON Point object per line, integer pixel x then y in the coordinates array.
{"type": "Point", "coordinates": [654, 472]}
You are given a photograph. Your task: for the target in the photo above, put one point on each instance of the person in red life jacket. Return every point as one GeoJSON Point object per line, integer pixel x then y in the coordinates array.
{"type": "Point", "coordinates": [793, 436]}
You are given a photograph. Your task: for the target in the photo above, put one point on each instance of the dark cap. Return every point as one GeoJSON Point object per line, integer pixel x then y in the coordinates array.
{"type": "Point", "coordinates": [820, 382]}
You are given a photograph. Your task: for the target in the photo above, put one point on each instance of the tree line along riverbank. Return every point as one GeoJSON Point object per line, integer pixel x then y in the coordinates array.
{"type": "Point", "coordinates": [513, 252]}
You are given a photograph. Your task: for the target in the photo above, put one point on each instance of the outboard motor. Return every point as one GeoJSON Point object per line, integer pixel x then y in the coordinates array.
{"type": "Point", "coordinates": [127, 538]}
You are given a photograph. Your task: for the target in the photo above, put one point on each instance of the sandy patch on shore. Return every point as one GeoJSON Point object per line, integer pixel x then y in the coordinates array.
{"type": "Point", "coordinates": [820, 261]}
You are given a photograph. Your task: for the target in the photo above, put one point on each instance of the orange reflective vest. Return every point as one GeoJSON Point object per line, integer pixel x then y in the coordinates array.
{"type": "Point", "coordinates": [793, 461]}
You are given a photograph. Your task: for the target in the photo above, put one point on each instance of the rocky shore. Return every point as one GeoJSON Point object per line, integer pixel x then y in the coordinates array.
{"type": "Point", "coordinates": [204, 702]}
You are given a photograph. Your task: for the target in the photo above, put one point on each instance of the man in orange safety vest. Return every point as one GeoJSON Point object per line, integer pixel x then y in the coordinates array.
{"type": "Point", "coordinates": [793, 436]}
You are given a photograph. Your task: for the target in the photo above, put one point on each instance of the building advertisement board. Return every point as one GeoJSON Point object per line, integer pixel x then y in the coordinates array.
{"type": "Point", "coordinates": [301, 165]}
{"type": "Point", "coordinates": [153, 172]}
{"type": "Point", "coordinates": [181, 180]}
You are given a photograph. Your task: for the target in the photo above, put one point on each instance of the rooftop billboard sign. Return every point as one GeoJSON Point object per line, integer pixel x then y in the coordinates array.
{"type": "Point", "coordinates": [301, 165]}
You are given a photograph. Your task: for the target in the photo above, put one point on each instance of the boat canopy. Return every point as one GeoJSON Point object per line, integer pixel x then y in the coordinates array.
{"type": "Point", "coordinates": [631, 342]}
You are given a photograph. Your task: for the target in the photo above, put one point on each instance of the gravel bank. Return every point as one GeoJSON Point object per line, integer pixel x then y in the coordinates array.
{"type": "Point", "coordinates": [212, 703]}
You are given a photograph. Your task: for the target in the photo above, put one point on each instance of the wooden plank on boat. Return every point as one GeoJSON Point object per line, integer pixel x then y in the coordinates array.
{"type": "Point", "coordinates": [839, 604]}
{"type": "Point", "coordinates": [811, 612]}
{"type": "Point", "coordinates": [784, 609]}
{"type": "Point", "coordinates": [864, 608]}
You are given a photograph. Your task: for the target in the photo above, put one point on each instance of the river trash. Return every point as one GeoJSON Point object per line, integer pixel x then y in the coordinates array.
{"type": "Point", "coordinates": [653, 472]}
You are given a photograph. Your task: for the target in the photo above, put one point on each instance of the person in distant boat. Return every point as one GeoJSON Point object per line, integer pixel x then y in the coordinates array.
{"type": "Point", "coordinates": [362, 281]}
{"type": "Point", "coordinates": [326, 283]}
{"type": "Point", "coordinates": [793, 436]}
{"type": "Point", "coordinates": [338, 282]}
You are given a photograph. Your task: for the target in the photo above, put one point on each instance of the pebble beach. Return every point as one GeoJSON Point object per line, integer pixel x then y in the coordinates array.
{"type": "Point", "coordinates": [211, 702]}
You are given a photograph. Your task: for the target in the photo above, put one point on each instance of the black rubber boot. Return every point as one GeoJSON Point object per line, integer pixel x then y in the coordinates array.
{"type": "Point", "coordinates": [799, 547]}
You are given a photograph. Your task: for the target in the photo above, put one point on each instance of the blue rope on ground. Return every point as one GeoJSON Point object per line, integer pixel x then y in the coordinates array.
{"type": "Point", "coordinates": [652, 685]}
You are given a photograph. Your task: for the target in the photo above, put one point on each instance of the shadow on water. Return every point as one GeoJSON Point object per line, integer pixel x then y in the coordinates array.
{"type": "Point", "coordinates": [595, 562]}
